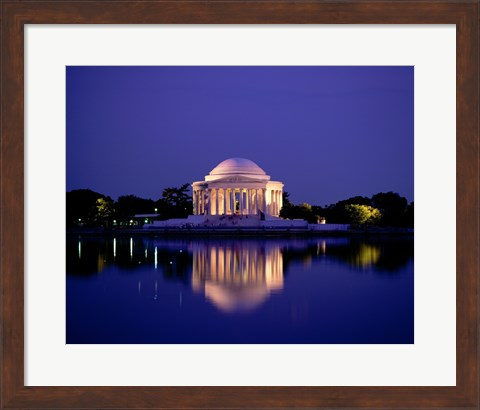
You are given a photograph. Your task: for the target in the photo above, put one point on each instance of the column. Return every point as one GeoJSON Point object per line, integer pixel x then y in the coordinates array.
{"type": "Point", "coordinates": [204, 201]}
{"type": "Point", "coordinates": [199, 198]}
{"type": "Point", "coordinates": [259, 200]}
{"type": "Point", "coordinates": [264, 200]}
{"type": "Point", "coordinates": [232, 201]}
{"type": "Point", "coordinates": [216, 202]}
{"type": "Point", "coordinates": [250, 201]}
{"type": "Point", "coordinates": [271, 210]}
{"type": "Point", "coordinates": [252, 209]}
{"type": "Point", "coordinates": [272, 200]}
{"type": "Point", "coordinates": [247, 201]}
{"type": "Point", "coordinates": [211, 201]}
{"type": "Point", "coordinates": [208, 201]}
{"type": "Point", "coordinates": [241, 201]}
{"type": "Point", "coordinates": [276, 202]}
{"type": "Point", "coordinates": [227, 200]}
{"type": "Point", "coordinates": [194, 200]}
{"type": "Point", "coordinates": [224, 201]}
{"type": "Point", "coordinates": [213, 198]}
{"type": "Point", "coordinates": [220, 202]}
{"type": "Point", "coordinates": [199, 212]}
{"type": "Point", "coordinates": [279, 200]}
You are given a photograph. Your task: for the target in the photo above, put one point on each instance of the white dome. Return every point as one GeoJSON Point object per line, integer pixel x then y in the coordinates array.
{"type": "Point", "coordinates": [237, 166]}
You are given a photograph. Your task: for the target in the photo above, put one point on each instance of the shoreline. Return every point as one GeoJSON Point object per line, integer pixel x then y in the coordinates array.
{"type": "Point", "coordinates": [236, 232]}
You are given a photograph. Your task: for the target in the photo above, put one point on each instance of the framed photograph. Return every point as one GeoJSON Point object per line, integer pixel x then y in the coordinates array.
{"type": "Point", "coordinates": [211, 204]}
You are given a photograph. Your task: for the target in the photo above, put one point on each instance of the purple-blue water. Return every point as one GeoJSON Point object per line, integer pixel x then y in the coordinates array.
{"type": "Point", "coordinates": [239, 290]}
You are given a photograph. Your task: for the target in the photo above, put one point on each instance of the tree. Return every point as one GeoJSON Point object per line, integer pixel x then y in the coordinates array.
{"type": "Point", "coordinates": [287, 207]}
{"type": "Point", "coordinates": [358, 200]}
{"type": "Point", "coordinates": [392, 206]}
{"type": "Point", "coordinates": [362, 214]}
{"type": "Point", "coordinates": [105, 210]}
{"type": "Point", "coordinates": [129, 205]}
{"type": "Point", "coordinates": [302, 211]}
{"type": "Point", "coordinates": [336, 213]}
{"type": "Point", "coordinates": [286, 199]}
{"type": "Point", "coordinates": [175, 202]}
{"type": "Point", "coordinates": [408, 217]}
{"type": "Point", "coordinates": [81, 207]}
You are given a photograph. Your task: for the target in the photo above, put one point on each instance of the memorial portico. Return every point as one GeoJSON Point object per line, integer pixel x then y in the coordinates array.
{"type": "Point", "coordinates": [237, 186]}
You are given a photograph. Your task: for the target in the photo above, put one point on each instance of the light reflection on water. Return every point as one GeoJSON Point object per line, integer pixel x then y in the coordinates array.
{"type": "Point", "coordinates": [237, 278]}
{"type": "Point", "coordinates": [268, 290]}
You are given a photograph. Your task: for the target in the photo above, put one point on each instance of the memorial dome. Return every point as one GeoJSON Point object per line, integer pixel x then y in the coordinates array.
{"type": "Point", "coordinates": [237, 166]}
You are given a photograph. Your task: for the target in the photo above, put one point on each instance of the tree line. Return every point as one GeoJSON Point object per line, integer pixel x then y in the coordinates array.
{"type": "Point", "coordinates": [88, 208]}
{"type": "Point", "coordinates": [382, 209]}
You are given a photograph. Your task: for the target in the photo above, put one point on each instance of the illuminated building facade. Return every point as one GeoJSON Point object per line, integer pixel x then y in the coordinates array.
{"type": "Point", "coordinates": [237, 186]}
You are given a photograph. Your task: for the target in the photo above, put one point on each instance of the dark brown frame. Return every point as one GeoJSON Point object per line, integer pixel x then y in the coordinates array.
{"type": "Point", "coordinates": [15, 14]}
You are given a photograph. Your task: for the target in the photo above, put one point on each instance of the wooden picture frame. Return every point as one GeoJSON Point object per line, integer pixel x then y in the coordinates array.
{"type": "Point", "coordinates": [15, 14]}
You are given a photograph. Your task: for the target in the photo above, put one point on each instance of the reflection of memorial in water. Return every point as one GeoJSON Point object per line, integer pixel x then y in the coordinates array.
{"type": "Point", "coordinates": [237, 278]}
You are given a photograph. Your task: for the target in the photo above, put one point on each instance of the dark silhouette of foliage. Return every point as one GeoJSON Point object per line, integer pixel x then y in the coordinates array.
{"type": "Point", "coordinates": [337, 213]}
{"type": "Point", "coordinates": [392, 206]}
{"type": "Point", "coordinates": [286, 199]}
{"type": "Point", "coordinates": [302, 211]}
{"type": "Point", "coordinates": [81, 207]}
{"type": "Point", "coordinates": [407, 218]}
{"type": "Point", "coordinates": [88, 208]}
{"type": "Point", "coordinates": [129, 205]}
{"type": "Point", "coordinates": [175, 202]}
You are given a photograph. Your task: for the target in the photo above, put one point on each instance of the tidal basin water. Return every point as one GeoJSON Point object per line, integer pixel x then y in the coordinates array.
{"type": "Point", "coordinates": [239, 290]}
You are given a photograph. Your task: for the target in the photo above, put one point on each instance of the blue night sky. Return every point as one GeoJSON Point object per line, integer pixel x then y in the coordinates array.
{"type": "Point", "coordinates": [328, 133]}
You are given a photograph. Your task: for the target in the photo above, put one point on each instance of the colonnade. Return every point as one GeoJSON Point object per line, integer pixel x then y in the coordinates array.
{"type": "Point", "coordinates": [236, 201]}
{"type": "Point", "coordinates": [275, 202]}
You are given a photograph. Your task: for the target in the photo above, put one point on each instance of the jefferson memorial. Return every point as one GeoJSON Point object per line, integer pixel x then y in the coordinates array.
{"type": "Point", "coordinates": [236, 195]}
{"type": "Point", "coordinates": [237, 186]}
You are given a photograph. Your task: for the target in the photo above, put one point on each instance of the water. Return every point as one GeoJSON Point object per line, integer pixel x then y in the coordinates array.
{"type": "Point", "coordinates": [232, 290]}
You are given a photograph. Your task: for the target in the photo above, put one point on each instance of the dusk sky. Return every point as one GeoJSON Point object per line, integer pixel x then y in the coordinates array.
{"type": "Point", "coordinates": [328, 133]}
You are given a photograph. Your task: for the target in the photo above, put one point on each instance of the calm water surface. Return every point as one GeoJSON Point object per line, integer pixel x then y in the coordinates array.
{"type": "Point", "coordinates": [230, 290]}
